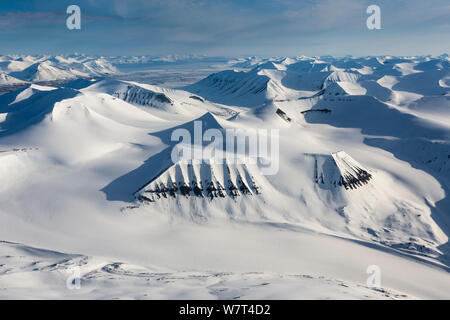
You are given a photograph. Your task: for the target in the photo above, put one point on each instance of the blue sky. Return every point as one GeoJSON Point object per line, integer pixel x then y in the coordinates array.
{"type": "Point", "coordinates": [225, 27]}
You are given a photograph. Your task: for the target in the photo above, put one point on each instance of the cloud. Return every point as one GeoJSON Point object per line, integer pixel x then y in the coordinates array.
{"type": "Point", "coordinates": [185, 25]}
{"type": "Point", "coordinates": [23, 18]}
{"type": "Point", "coordinates": [407, 12]}
{"type": "Point", "coordinates": [20, 19]}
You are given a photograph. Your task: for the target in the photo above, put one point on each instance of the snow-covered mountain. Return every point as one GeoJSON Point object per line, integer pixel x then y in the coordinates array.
{"type": "Point", "coordinates": [19, 69]}
{"type": "Point", "coordinates": [363, 173]}
{"type": "Point", "coordinates": [6, 79]}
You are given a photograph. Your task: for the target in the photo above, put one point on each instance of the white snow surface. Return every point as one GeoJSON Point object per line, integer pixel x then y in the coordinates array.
{"type": "Point", "coordinates": [20, 69]}
{"type": "Point", "coordinates": [363, 180]}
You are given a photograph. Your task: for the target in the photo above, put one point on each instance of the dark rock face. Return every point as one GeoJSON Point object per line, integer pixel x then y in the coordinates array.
{"type": "Point", "coordinates": [353, 182]}
{"type": "Point", "coordinates": [198, 190]}
{"type": "Point", "coordinates": [283, 115]}
{"type": "Point", "coordinates": [243, 187]}
{"type": "Point", "coordinates": [213, 189]}
{"type": "Point", "coordinates": [185, 190]}
{"type": "Point", "coordinates": [194, 189]}
{"type": "Point", "coordinates": [317, 110]}
{"type": "Point", "coordinates": [339, 170]}
{"type": "Point", "coordinates": [197, 98]}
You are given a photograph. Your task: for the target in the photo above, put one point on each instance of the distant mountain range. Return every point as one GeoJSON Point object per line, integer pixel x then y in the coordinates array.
{"type": "Point", "coordinates": [19, 69]}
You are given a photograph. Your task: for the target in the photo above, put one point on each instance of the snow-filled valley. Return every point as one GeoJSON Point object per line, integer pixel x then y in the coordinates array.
{"type": "Point", "coordinates": [362, 179]}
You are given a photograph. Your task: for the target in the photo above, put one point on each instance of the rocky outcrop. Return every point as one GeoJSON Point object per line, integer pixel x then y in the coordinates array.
{"type": "Point", "coordinates": [203, 180]}
{"type": "Point", "coordinates": [340, 170]}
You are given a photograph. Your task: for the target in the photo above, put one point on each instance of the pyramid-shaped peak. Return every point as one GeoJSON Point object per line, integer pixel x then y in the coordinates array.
{"type": "Point", "coordinates": [288, 61]}
{"type": "Point", "coordinates": [202, 180]}
{"type": "Point", "coordinates": [209, 121]}
{"type": "Point", "coordinates": [340, 170]}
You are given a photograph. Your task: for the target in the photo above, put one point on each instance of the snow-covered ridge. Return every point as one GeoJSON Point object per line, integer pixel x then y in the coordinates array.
{"type": "Point", "coordinates": [142, 96]}
{"type": "Point", "coordinates": [256, 81]}
{"type": "Point", "coordinates": [52, 68]}
{"type": "Point", "coordinates": [233, 86]}
{"type": "Point", "coordinates": [6, 79]}
{"type": "Point", "coordinates": [42, 273]}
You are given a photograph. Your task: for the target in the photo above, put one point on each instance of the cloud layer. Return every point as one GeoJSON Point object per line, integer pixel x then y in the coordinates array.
{"type": "Point", "coordinates": [228, 27]}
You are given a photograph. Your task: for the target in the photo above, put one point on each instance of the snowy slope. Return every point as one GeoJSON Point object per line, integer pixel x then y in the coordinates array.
{"type": "Point", "coordinates": [33, 273]}
{"type": "Point", "coordinates": [363, 179]}
{"type": "Point", "coordinates": [43, 71]}
{"type": "Point", "coordinates": [6, 79]}
{"type": "Point", "coordinates": [57, 68]}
